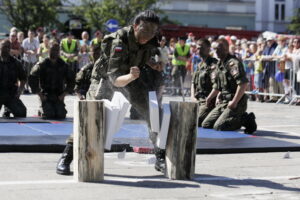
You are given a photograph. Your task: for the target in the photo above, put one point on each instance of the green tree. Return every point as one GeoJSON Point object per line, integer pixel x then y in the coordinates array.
{"type": "Point", "coordinates": [294, 26]}
{"type": "Point", "coordinates": [30, 14]}
{"type": "Point", "coordinates": [96, 12]}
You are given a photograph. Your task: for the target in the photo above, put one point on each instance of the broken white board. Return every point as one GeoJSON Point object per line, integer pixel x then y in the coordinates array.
{"type": "Point", "coordinates": [163, 133]}
{"type": "Point", "coordinates": [154, 112]}
{"type": "Point", "coordinates": [124, 105]}
{"type": "Point", "coordinates": [111, 115]}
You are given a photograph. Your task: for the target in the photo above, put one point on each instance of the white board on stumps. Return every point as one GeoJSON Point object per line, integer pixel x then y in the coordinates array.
{"type": "Point", "coordinates": [111, 115]}
{"type": "Point", "coordinates": [120, 100]}
{"type": "Point", "coordinates": [154, 112]}
{"type": "Point", "coordinates": [163, 133]}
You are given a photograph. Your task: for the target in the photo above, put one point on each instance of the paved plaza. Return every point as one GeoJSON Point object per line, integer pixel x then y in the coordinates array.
{"type": "Point", "coordinates": [261, 176]}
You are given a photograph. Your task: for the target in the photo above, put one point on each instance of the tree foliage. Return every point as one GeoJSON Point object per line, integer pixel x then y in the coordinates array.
{"type": "Point", "coordinates": [98, 12]}
{"type": "Point", "coordinates": [30, 14]}
{"type": "Point", "coordinates": [294, 26]}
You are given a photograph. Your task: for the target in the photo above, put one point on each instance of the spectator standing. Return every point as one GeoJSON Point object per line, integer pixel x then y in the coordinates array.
{"type": "Point", "coordinates": [15, 45]}
{"type": "Point", "coordinates": [98, 39]}
{"type": "Point", "coordinates": [269, 68]}
{"type": "Point", "coordinates": [20, 37]}
{"type": "Point", "coordinates": [43, 50]}
{"type": "Point", "coordinates": [30, 46]}
{"type": "Point", "coordinates": [84, 57]}
{"type": "Point", "coordinates": [69, 49]}
{"type": "Point", "coordinates": [85, 39]}
{"type": "Point", "coordinates": [40, 34]}
{"type": "Point", "coordinates": [191, 38]}
{"type": "Point", "coordinates": [181, 56]}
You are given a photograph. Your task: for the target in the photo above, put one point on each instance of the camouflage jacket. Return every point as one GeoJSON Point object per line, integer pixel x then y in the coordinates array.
{"type": "Point", "coordinates": [202, 80]}
{"type": "Point", "coordinates": [229, 75]}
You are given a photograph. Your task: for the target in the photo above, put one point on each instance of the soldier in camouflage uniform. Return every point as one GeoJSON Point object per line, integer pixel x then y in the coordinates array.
{"type": "Point", "coordinates": [83, 77]}
{"type": "Point", "coordinates": [202, 80]}
{"type": "Point", "coordinates": [230, 85]}
{"type": "Point", "coordinates": [123, 66]}
{"type": "Point", "coordinates": [52, 79]}
{"type": "Point", "coordinates": [12, 81]}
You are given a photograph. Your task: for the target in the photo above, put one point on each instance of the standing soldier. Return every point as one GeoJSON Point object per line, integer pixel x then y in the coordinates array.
{"type": "Point", "coordinates": [122, 66]}
{"type": "Point", "coordinates": [203, 80]}
{"type": "Point", "coordinates": [230, 112]}
{"type": "Point", "coordinates": [52, 79]}
{"type": "Point", "coordinates": [12, 81]}
{"type": "Point", "coordinates": [69, 49]}
{"type": "Point", "coordinates": [180, 57]}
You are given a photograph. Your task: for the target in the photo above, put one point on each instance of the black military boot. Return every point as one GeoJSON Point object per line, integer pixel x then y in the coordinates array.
{"type": "Point", "coordinates": [248, 120]}
{"type": "Point", "coordinates": [63, 165]}
{"type": "Point", "coordinates": [160, 164]}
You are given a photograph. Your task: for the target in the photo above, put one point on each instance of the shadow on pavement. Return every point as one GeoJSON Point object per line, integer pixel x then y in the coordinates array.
{"type": "Point", "coordinates": [275, 134]}
{"type": "Point", "coordinates": [158, 181]}
{"type": "Point", "coordinates": [236, 183]}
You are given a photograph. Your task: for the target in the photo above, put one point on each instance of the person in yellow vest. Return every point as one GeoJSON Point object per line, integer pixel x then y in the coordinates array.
{"type": "Point", "coordinates": [180, 57]}
{"type": "Point", "coordinates": [69, 49]}
{"type": "Point", "coordinates": [43, 50]}
{"type": "Point", "coordinates": [98, 38]}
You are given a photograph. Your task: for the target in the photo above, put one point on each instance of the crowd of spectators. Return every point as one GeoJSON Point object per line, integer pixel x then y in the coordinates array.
{"type": "Point", "coordinates": [35, 47]}
{"type": "Point", "coordinates": [271, 63]}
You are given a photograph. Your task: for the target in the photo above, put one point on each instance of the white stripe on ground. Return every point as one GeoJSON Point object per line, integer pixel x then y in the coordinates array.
{"type": "Point", "coordinates": [137, 179]}
{"type": "Point", "coordinates": [36, 182]}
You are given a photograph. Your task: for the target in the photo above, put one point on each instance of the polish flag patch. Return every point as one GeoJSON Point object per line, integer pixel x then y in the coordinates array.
{"type": "Point", "coordinates": [118, 49]}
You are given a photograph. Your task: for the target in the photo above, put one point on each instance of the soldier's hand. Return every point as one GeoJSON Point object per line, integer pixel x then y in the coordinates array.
{"type": "Point", "coordinates": [134, 72]}
{"type": "Point", "coordinates": [231, 105]}
{"type": "Point", "coordinates": [208, 102]}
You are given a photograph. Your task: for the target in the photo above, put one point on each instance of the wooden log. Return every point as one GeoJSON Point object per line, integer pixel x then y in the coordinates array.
{"type": "Point", "coordinates": [181, 141]}
{"type": "Point", "coordinates": [89, 127]}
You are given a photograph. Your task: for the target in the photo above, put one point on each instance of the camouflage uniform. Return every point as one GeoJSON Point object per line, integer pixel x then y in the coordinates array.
{"type": "Point", "coordinates": [11, 71]}
{"type": "Point", "coordinates": [52, 80]}
{"type": "Point", "coordinates": [202, 83]}
{"type": "Point", "coordinates": [120, 51]}
{"type": "Point", "coordinates": [229, 75]}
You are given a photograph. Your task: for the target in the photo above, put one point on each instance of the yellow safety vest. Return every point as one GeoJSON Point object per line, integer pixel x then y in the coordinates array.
{"type": "Point", "coordinates": [180, 52]}
{"type": "Point", "coordinates": [68, 49]}
{"type": "Point", "coordinates": [95, 41]}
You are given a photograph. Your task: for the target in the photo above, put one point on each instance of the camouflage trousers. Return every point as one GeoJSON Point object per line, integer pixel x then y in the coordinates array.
{"type": "Point", "coordinates": [14, 105]}
{"type": "Point", "coordinates": [224, 119]}
{"type": "Point", "coordinates": [203, 111]}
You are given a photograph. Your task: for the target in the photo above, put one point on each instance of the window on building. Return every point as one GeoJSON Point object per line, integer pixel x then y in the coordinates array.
{"type": "Point", "coordinates": [282, 12]}
{"type": "Point", "coordinates": [279, 10]}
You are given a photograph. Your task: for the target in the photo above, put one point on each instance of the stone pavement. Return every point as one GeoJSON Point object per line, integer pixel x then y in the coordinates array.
{"type": "Point", "coordinates": [261, 176]}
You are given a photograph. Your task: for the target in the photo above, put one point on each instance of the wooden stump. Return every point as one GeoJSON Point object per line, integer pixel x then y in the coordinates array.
{"type": "Point", "coordinates": [89, 122]}
{"type": "Point", "coordinates": [181, 142]}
